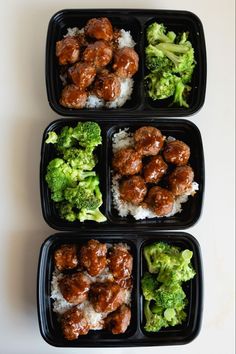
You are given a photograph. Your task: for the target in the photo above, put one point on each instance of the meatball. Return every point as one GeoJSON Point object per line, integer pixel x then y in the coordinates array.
{"type": "Point", "coordinates": [180, 180]}
{"type": "Point", "coordinates": [176, 152]}
{"type": "Point", "coordinates": [120, 262]}
{"type": "Point", "coordinates": [74, 324]}
{"type": "Point", "coordinates": [127, 161]}
{"type": "Point", "coordinates": [99, 28]}
{"type": "Point", "coordinates": [73, 97]}
{"type": "Point", "coordinates": [160, 201]}
{"type": "Point", "coordinates": [126, 62]}
{"type": "Point", "coordinates": [65, 257]}
{"type": "Point", "coordinates": [155, 169]}
{"type": "Point", "coordinates": [98, 54]}
{"type": "Point", "coordinates": [106, 297]}
{"type": "Point", "coordinates": [82, 74]}
{"type": "Point", "coordinates": [67, 50]}
{"type": "Point", "coordinates": [107, 86]}
{"type": "Point", "coordinates": [133, 190]}
{"type": "Point", "coordinates": [93, 257]}
{"type": "Point", "coordinates": [118, 321]}
{"type": "Point", "coordinates": [75, 287]}
{"type": "Point", "coordinates": [148, 140]}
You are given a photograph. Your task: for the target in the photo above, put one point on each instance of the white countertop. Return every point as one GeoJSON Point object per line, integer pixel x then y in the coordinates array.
{"type": "Point", "coordinates": [25, 113]}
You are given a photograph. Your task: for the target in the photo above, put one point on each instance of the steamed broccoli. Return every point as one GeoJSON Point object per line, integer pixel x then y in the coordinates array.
{"type": "Point", "coordinates": [171, 62]}
{"type": "Point", "coordinates": [71, 179]}
{"type": "Point", "coordinates": [157, 33]}
{"type": "Point", "coordinates": [80, 159]}
{"type": "Point", "coordinates": [168, 262]}
{"type": "Point", "coordinates": [94, 215]}
{"type": "Point", "coordinates": [88, 134]}
{"type": "Point", "coordinates": [66, 212]}
{"type": "Point", "coordinates": [154, 321]}
{"type": "Point", "coordinates": [162, 289]}
{"type": "Point", "coordinates": [59, 176]}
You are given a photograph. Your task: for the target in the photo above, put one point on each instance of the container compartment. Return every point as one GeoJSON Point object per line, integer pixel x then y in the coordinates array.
{"type": "Point", "coordinates": [178, 128]}
{"type": "Point", "coordinates": [49, 326]}
{"type": "Point", "coordinates": [135, 21]}
{"type": "Point", "coordinates": [191, 210]}
{"type": "Point", "coordinates": [188, 330]}
{"type": "Point", "coordinates": [135, 335]}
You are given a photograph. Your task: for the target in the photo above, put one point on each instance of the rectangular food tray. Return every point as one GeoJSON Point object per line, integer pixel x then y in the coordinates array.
{"type": "Point", "coordinates": [135, 334]}
{"type": "Point", "coordinates": [135, 21]}
{"type": "Point", "coordinates": [178, 128]}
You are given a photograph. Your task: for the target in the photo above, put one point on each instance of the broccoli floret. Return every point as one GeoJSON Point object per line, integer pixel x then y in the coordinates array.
{"type": "Point", "coordinates": [65, 139]}
{"type": "Point", "coordinates": [149, 286]}
{"type": "Point", "coordinates": [155, 59]}
{"type": "Point", "coordinates": [170, 296]}
{"type": "Point", "coordinates": [161, 86]}
{"type": "Point", "coordinates": [180, 94]}
{"type": "Point", "coordinates": [59, 176]}
{"type": "Point", "coordinates": [52, 138]}
{"type": "Point", "coordinates": [154, 321]}
{"type": "Point", "coordinates": [169, 263]}
{"type": "Point", "coordinates": [171, 62]}
{"type": "Point", "coordinates": [156, 33]}
{"type": "Point", "coordinates": [88, 134]}
{"type": "Point", "coordinates": [82, 198]}
{"type": "Point", "coordinates": [94, 215]}
{"type": "Point", "coordinates": [80, 159]}
{"type": "Point", "coordinates": [66, 212]}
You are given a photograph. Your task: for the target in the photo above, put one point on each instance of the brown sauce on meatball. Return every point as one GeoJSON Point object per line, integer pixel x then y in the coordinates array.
{"type": "Point", "coordinates": [133, 190]}
{"type": "Point", "coordinates": [99, 28]}
{"type": "Point", "coordinates": [74, 324]}
{"type": "Point", "coordinates": [93, 257]}
{"type": "Point", "coordinates": [180, 180]}
{"type": "Point", "coordinates": [176, 152]}
{"type": "Point", "coordinates": [127, 161]}
{"type": "Point", "coordinates": [160, 201]}
{"type": "Point", "coordinates": [75, 287]}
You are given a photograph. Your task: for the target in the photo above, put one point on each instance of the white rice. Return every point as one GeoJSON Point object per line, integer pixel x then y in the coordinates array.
{"type": "Point", "coordinates": [125, 40]}
{"type": "Point", "coordinates": [124, 139]}
{"type": "Point", "coordinates": [95, 319]}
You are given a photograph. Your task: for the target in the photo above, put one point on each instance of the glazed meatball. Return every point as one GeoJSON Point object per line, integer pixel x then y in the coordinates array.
{"type": "Point", "coordinates": [98, 54]}
{"type": "Point", "coordinates": [67, 50]}
{"type": "Point", "coordinates": [180, 180]}
{"type": "Point", "coordinates": [176, 152]}
{"type": "Point", "coordinates": [126, 62]}
{"type": "Point", "coordinates": [148, 140]}
{"type": "Point", "coordinates": [99, 28]}
{"type": "Point", "coordinates": [160, 201]}
{"type": "Point", "coordinates": [82, 74]}
{"type": "Point", "coordinates": [74, 324]}
{"type": "Point", "coordinates": [73, 97]}
{"type": "Point", "coordinates": [93, 257]}
{"type": "Point", "coordinates": [106, 297]}
{"type": "Point", "coordinates": [118, 321]}
{"type": "Point", "coordinates": [107, 86]}
{"type": "Point", "coordinates": [75, 287]}
{"type": "Point", "coordinates": [155, 169]}
{"type": "Point", "coordinates": [127, 161]}
{"type": "Point", "coordinates": [65, 257]}
{"type": "Point", "coordinates": [133, 190]}
{"type": "Point", "coordinates": [120, 262]}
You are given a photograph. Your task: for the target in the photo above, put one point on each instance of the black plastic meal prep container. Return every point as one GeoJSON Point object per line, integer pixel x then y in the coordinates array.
{"type": "Point", "coordinates": [135, 334]}
{"type": "Point", "coordinates": [135, 21]}
{"type": "Point", "coordinates": [177, 128]}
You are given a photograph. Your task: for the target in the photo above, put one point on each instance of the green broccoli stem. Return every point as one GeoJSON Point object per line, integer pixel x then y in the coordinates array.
{"type": "Point", "coordinates": [171, 47]}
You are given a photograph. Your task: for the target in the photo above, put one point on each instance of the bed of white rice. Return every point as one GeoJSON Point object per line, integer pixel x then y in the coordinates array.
{"type": "Point", "coordinates": [125, 40]}
{"type": "Point", "coordinates": [95, 319]}
{"type": "Point", "coordinates": [124, 139]}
